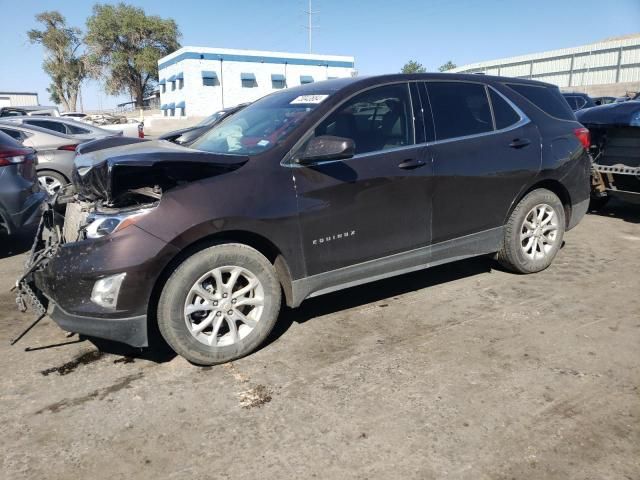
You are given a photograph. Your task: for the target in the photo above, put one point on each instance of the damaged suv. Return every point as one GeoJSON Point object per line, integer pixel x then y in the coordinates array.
{"type": "Point", "coordinates": [306, 191]}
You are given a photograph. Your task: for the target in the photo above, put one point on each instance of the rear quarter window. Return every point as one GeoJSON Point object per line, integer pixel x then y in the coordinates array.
{"type": "Point", "coordinates": [72, 129]}
{"type": "Point", "coordinates": [547, 99]}
{"type": "Point", "coordinates": [15, 134]}
{"type": "Point", "coordinates": [7, 142]}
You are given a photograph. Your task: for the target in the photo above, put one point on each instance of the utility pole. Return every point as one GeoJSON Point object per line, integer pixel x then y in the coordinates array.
{"type": "Point", "coordinates": [310, 13]}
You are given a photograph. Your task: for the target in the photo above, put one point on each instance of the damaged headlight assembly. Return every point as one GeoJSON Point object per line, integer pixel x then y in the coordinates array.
{"type": "Point", "coordinates": [100, 224]}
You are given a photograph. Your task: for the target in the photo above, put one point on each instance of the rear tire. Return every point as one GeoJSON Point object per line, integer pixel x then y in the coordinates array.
{"type": "Point", "coordinates": [220, 304]}
{"type": "Point", "coordinates": [534, 232]}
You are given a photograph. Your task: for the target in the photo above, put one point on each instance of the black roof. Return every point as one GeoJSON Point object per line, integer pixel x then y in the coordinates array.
{"type": "Point", "coordinates": [363, 81]}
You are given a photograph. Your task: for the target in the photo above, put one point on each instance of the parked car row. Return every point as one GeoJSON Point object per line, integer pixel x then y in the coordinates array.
{"type": "Point", "coordinates": [579, 101]}
{"type": "Point", "coordinates": [54, 139]}
{"type": "Point", "coordinates": [615, 148]}
{"type": "Point", "coordinates": [20, 197]}
{"type": "Point", "coordinates": [306, 191]}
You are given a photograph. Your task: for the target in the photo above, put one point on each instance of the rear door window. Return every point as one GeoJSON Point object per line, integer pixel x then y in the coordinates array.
{"type": "Point", "coordinates": [377, 119]}
{"type": "Point", "coordinates": [504, 114]}
{"type": "Point", "coordinates": [547, 99]}
{"type": "Point", "coordinates": [55, 126]}
{"type": "Point", "coordinates": [459, 109]}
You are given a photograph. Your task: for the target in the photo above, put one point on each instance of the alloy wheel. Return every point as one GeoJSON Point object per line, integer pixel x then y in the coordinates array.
{"type": "Point", "coordinates": [224, 306]}
{"type": "Point", "coordinates": [49, 184]}
{"type": "Point", "coordinates": [539, 231]}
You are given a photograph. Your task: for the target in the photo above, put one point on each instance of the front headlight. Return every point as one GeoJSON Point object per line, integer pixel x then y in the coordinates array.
{"type": "Point", "coordinates": [101, 224]}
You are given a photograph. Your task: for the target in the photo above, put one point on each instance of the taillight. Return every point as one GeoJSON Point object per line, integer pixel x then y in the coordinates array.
{"type": "Point", "coordinates": [14, 156]}
{"type": "Point", "coordinates": [69, 148]}
{"type": "Point", "coordinates": [584, 136]}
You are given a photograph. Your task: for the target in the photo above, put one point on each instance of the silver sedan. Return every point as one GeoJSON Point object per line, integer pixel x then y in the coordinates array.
{"type": "Point", "coordinates": [55, 151]}
{"type": "Point", "coordinates": [67, 126]}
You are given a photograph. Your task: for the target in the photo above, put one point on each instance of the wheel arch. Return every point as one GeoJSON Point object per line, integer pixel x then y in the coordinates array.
{"type": "Point", "coordinates": [49, 169]}
{"type": "Point", "coordinates": [552, 185]}
{"type": "Point", "coordinates": [251, 239]}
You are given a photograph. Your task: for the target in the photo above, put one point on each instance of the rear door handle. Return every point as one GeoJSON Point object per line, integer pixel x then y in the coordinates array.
{"type": "Point", "coordinates": [411, 163]}
{"type": "Point", "coordinates": [520, 143]}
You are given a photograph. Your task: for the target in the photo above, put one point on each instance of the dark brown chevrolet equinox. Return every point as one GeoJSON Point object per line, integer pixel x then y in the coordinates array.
{"type": "Point", "coordinates": [306, 191]}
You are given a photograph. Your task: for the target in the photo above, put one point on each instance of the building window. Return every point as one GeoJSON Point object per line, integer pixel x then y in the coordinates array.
{"type": "Point", "coordinates": [164, 87]}
{"type": "Point", "coordinates": [182, 107]}
{"type": "Point", "coordinates": [173, 86]}
{"type": "Point", "coordinates": [183, 112]}
{"type": "Point", "coordinates": [305, 79]}
{"type": "Point", "coordinates": [173, 112]}
{"type": "Point", "coordinates": [278, 81]}
{"type": "Point", "coordinates": [181, 83]}
{"type": "Point", "coordinates": [210, 79]}
{"type": "Point", "coordinates": [248, 80]}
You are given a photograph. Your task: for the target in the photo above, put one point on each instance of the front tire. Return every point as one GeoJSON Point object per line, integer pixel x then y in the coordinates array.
{"type": "Point", "coordinates": [220, 304]}
{"type": "Point", "coordinates": [534, 232]}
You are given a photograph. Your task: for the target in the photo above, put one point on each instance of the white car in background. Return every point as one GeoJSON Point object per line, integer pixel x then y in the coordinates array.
{"type": "Point", "coordinates": [74, 115]}
{"type": "Point", "coordinates": [128, 126]}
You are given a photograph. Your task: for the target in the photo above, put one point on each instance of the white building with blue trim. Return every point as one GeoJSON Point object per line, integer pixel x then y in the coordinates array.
{"type": "Point", "coordinates": [198, 81]}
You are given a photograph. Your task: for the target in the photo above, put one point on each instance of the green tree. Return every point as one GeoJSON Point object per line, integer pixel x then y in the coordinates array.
{"type": "Point", "coordinates": [62, 61]}
{"type": "Point", "coordinates": [124, 46]}
{"type": "Point", "coordinates": [413, 67]}
{"type": "Point", "coordinates": [447, 66]}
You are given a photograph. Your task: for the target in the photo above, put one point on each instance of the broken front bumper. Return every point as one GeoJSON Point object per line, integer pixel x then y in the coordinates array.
{"type": "Point", "coordinates": [62, 276]}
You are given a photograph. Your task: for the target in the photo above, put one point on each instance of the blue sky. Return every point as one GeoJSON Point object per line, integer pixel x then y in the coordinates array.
{"type": "Point", "coordinates": [381, 34]}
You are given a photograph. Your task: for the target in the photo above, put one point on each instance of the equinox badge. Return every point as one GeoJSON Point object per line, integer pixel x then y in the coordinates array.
{"type": "Point", "coordinates": [331, 238]}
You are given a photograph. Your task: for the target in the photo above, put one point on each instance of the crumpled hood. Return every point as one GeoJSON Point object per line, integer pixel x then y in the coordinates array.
{"type": "Point", "coordinates": [106, 174]}
{"type": "Point", "coordinates": [619, 114]}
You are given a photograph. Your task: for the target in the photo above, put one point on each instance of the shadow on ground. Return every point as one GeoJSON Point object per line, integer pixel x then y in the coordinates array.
{"type": "Point", "coordinates": [159, 351]}
{"type": "Point", "coordinates": [16, 244]}
{"type": "Point", "coordinates": [628, 212]}
{"type": "Point", "coordinates": [378, 291]}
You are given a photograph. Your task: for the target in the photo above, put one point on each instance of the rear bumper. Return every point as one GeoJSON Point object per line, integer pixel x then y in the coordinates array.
{"type": "Point", "coordinates": [129, 330]}
{"type": "Point", "coordinates": [26, 214]}
{"type": "Point", "coordinates": [578, 211]}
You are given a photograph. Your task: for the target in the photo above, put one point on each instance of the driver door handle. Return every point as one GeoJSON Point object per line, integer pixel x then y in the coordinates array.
{"type": "Point", "coordinates": [519, 142]}
{"type": "Point", "coordinates": [411, 163]}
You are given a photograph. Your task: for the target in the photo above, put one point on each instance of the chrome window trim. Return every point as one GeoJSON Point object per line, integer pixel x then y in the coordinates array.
{"type": "Point", "coordinates": [287, 161]}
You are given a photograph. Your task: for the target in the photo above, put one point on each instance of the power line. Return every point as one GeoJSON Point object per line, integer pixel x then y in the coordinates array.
{"type": "Point", "coordinates": [310, 26]}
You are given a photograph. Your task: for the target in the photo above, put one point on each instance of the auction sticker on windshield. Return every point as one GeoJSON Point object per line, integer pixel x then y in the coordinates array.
{"type": "Point", "coordinates": [308, 99]}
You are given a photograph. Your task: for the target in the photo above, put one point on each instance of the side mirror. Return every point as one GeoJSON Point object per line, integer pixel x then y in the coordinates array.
{"type": "Point", "coordinates": [327, 147]}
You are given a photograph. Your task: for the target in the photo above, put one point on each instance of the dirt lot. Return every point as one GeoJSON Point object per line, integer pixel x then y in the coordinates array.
{"type": "Point", "coordinates": [463, 371]}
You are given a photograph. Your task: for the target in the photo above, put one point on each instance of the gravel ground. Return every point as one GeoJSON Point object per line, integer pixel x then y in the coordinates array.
{"type": "Point", "coordinates": [462, 371]}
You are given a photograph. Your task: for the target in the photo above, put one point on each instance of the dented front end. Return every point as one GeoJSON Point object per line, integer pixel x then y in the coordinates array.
{"type": "Point", "coordinates": [92, 267]}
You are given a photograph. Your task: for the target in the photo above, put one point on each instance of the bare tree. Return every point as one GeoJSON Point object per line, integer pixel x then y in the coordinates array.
{"type": "Point", "coordinates": [62, 61]}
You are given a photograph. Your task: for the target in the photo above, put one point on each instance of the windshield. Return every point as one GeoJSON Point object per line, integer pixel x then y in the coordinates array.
{"type": "Point", "coordinates": [211, 119]}
{"type": "Point", "coordinates": [261, 125]}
